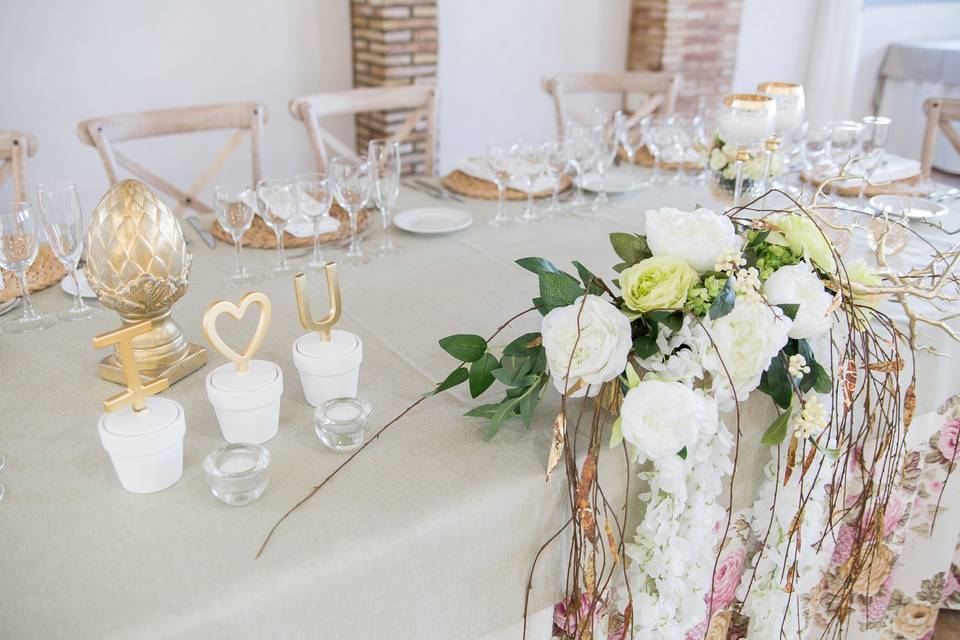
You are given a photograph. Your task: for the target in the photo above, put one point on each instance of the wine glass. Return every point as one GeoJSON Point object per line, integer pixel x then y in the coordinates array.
{"type": "Point", "coordinates": [277, 206]}
{"type": "Point", "coordinates": [235, 209]}
{"type": "Point", "coordinates": [351, 186]}
{"type": "Point", "coordinates": [63, 222]}
{"type": "Point", "coordinates": [815, 150]}
{"type": "Point", "coordinates": [313, 200]}
{"type": "Point", "coordinates": [629, 135]}
{"type": "Point", "coordinates": [605, 139]}
{"type": "Point", "coordinates": [384, 157]}
{"type": "Point", "coordinates": [874, 140]}
{"type": "Point", "coordinates": [19, 244]}
{"type": "Point", "coordinates": [703, 128]}
{"type": "Point", "coordinates": [555, 164]}
{"type": "Point", "coordinates": [581, 155]}
{"type": "Point", "coordinates": [498, 160]}
{"type": "Point", "coordinates": [659, 138]}
{"type": "Point", "coordinates": [889, 223]}
{"type": "Point", "coordinates": [529, 165]}
{"type": "Point", "coordinates": [844, 141]}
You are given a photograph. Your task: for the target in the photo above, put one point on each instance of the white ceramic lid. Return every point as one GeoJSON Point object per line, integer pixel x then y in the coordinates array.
{"type": "Point", "coordinates": [260, 374]}
{"type": "Point", "coordinates": [341, 343]}
{"type": "Point", "coordinates": [128, 433]}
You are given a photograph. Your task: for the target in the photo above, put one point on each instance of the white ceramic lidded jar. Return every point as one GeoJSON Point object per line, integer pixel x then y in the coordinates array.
{"type": "Point", "coordinates": [245, 393]}
{"type": "Point", "coordinates": [145, 447]}
{"type": "Point", "coordinates": [327, 359]}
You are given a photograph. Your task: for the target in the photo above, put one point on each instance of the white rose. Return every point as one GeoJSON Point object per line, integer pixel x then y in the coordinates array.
{"type": "Point", "coordinates": [798, 284]}
{"type": "Point", "coordinates": [696, 237]}
{"type": "Point", "coordinates": [747, 339]}
{"type": "Point", "coordinates": [660, 418]}
{"type": "Point", "coordinates": [601, 350]}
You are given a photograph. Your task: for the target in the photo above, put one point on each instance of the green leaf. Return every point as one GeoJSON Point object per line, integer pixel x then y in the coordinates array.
{"type": "Point", "coordinates": [757, 238]}
{"type": "Point", "coordinates": [645, 346]}
{"type": "Point", "coordinates": [631, 248]}
{"type": "Point", "coordinates": [587, 277]}
{"type": "Point", "coordinates": [480, 374]}
{"type": "Point", "coordinates": [777, 430]}
{"type": "Point", "coordinates": [503, 412]}
{"type": "Point", "coordinates": [456, 377]}
{"type": "Point", "coordinates": [616, 433]}
{"type": "Point", "coordinates": [529, 402]}
{"type": "Point", "coordinates": [483, 411]}
{"type": "Point", "coordinates": [775, 382]}
{"type": "Point", "coordinates": [790, 310]}
{"type": "Point", "coordinates": [539, 361]}
{"type": "Point", "coordinates": [682, 453]}
{"type": "Point", "coordinates": [537, 265]}
{"type": "Point", "coordinates": [673, 320]}
{"type": "Point", "coordinates": [832, 454]}
{"type": "Point", "coordinates": [519, 347]}
{"type": "Point", "coordinates": [632, 378]}
{"type": "Point", "coordinates": [619, 267]}
{"type": "Point", "coordinates": [513, 371]}
{"type": "Point", "coordinates": [723, 303]}
{"type": "Point", "coordinates": [464, 346]}
{"type": "Point", "coordinates": [818, 379]}
{"type": "Point", "coordinates": [559, 289]}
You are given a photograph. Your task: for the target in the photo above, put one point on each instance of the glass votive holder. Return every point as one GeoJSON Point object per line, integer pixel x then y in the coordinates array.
{"type": "Point", "coordinates": [238, 473]}
{"type": "Point", "coordinates": [341, 423]}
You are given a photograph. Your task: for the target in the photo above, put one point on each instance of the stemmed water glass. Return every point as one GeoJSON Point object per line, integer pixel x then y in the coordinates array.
{"type": "Point", "coordinates": [605, 138]}
{"type": "Point", "coordinates": [555, 164]}
{"type": "Point", "coordinates": [19, 244]}
{"type": "Point", "coordinates": [278, 204]}
{"type": "Point", "coordinates": [63, 222]}
{"type": "Point", "coordinates": [529, 166]}
{"type": "Point", "coordinates": [844, 140]}
{"type": "Point", "coordinates": [874, 139]}
{"type": "Point", "coordinates": [499, 162]}
{"type": "Point", "coordinates": [581, 149]}
{"type": "Point", "coordinates": [351, 186]}
{"type": "Point", "coordinates": [384, 157]}
{"type": "Point", "coordinates": [815, 150]}
{"type": "Point", "coordinates": [235, 209]}
{"type": "Point", "coordinates": [314, 199]}
{"type": "Point", "coordinates": [629, 135]}
{"type": "Point", "coordinates": [659, 137]}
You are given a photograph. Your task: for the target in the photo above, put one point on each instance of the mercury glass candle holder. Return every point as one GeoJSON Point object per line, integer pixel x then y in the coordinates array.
{"type": "Point", "coordinates": [746, 120]}
{"type": "Point", "coordinates": [237, 473]}
{"type": "Point", "coordinates": [341, 423]}
{"type": "Point", "coordinates": [790, 106]}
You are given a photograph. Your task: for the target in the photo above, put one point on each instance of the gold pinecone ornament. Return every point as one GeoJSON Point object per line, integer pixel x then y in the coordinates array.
{"type": "Point", "coordinates": [138, 264]}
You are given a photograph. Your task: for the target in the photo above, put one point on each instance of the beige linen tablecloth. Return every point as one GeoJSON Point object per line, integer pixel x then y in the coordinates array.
{"type": "Point", "coordinates": [430, 533]}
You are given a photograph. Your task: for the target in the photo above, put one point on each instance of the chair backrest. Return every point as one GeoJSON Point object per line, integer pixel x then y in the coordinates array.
{"type": "Point", "coordinates": [421, 99]}
{"type": "Point", "coordinates": [658, 88]}
{"type": "Point", "coordinates": [940, 114]}
{"type": "Point", "coordinates": [247, 118]}
{"type": "Point", "coordinates": [15, 148]}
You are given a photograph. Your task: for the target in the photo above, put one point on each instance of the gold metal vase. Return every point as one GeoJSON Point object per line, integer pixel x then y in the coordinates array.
{"type": "Point", "coordinates": [138, 265]}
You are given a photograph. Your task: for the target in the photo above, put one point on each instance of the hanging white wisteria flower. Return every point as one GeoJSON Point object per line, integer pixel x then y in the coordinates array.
{"type": "Point", "coordinates": [811, 420]}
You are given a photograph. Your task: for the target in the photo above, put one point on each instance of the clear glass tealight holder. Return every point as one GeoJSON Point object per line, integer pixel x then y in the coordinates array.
{"type": "Point", "coordinates": [341, 423]}
{"type": "Point", "coordinates": [238, 473]}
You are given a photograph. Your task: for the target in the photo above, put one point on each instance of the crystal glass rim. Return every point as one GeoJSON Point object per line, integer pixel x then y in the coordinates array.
{"type": "Point", "coordinates": [875, 120]}
{"type": "Point", "coordinates": [322, 417]}
{"type": "Point", "coordinates": [57, 185]}
{"type": "Point", "coordinates": [751, 101]}
{"type": "Point", "coordinates": [212, 467]}
{"type": "Point", "coordinates": [275, 181]}
{"type": "Point", "coordinates": [311, 176]}
{"type": "Point", "coordinates": [844, 124]}
{"type": "Point", "coordinates": [7, 208]}
{"type": "Point", "coordinates": [780, 88]}
{"type": "Point", "coordinates": [349, 162]}
{"type": "Point", "coordinates": [220, 188]}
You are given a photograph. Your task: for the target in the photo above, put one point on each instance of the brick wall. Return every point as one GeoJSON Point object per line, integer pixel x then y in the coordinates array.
{"type": "Point", "coordinates": [697, 38]}
{"type": "Point", "coordinates": [394, 42]}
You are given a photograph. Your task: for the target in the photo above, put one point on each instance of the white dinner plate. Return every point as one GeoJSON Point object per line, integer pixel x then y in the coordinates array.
{"type": "Point", "coordinates": [913, 207]}
{"type": "Point", "coordinates": [67, 285]}
{"type": "Point", "coordinates": [615, 181]}
{"type": "Point", "coordinates": [432, 220]}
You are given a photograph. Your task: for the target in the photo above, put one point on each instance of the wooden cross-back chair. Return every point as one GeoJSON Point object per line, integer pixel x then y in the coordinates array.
{"type": "Point", "coordinates": [941, 112]}
{"type": "Point", "coordinates": [420, 98]}
{"type": "Point", "coordinates": [15, 148]}
{"type": "Point", "coordinates": [247, 118]}
{"type": "Point", "coordinates": [659, 87]}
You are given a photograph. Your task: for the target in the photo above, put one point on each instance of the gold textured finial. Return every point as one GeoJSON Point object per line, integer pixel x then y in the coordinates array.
{"type": "Point", "coordinates": [324, 326]}
{"type": "Point", "coordinates": [237, 312]}
{"type": "Point", "coordinates": [136, 393]}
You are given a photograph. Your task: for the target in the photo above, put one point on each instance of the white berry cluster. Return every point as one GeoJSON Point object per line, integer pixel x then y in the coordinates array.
{"type": "Point", "coordinates": [811, 420]}
{"type": "Point", "coordinates": [747, 283]}
{"type": "Point", "coordinates": [729, 261]}
{"type": "Point", "coordinates": [797, 366]}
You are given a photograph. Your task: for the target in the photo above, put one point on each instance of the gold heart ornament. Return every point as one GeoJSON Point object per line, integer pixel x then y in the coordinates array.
{"type": "Point", "coordinates": [237, 312]}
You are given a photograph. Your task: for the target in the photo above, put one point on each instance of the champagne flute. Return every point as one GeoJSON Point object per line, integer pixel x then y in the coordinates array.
{"type": "Point", "coordinates": [498, 160]}
{"type": "Point", "coordinates": [278, 204]}
{"type": "Point", "coordinates": [19, 245]}
{"type": "Point", "coordinates": [582, 150]}
{"type": "Point", "coordinates": [351, 187]}
{"type": "Point", "coordinates": [235, 209]}
{"type": "Point", "coordinates": [384, 159]}
{"type": "Point", "coordinates": [63, 222]}
{"type": "Point", "coordinates": [605, 139]}
{"type": "Point", "coordinates": [314, 199]}
{"type": "Point", "coordinates": [529, 164]}
{"type": "Point", "coordinates": [555, 164]}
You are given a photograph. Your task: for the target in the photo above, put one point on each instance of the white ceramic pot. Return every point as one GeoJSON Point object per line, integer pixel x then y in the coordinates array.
{"type": "Point", "coordinates": [146, 448]}
{"type": "Point", "coordinates": [247, 404]}
{"type": "Point", "coordinates": [328, 369]}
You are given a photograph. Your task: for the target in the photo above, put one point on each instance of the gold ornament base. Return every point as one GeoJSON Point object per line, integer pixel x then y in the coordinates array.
{"type": "Point", "coordinates": [196, 356]}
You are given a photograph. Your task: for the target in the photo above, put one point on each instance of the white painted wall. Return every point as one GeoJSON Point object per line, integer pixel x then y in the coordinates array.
{"type": "Point", "coordinates": [774, 39]}
{"type": "Point", "coordinates": [67, 61]}
{"type": "Point", "coordinates": [494, 53]}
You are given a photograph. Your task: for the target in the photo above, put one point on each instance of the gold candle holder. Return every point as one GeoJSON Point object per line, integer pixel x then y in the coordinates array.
{"type": "Point", "coordinates": [138, 265]}
{"type": "Point", "coordinates": [323, 326]}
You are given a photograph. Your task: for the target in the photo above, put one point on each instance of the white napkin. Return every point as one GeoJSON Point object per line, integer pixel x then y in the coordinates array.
{"type": "Point", "coordinates": [478, 168]}
{"type": "Point", "coordinates": [893, 168]}
{"type": "Point", "coordinates": [301, 227]}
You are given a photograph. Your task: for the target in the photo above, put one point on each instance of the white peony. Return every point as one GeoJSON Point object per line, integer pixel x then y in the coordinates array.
{"type": "Point", "coordinates": [699, 237]}
{"type": "Point", "coordinates": [601, 349]}
{"type": "Point", "coordinates": [798, 284]}
{"type": "Point", "coordinates": [660, 418]}
{"type": "Point", "coordinates": [747, 339]}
